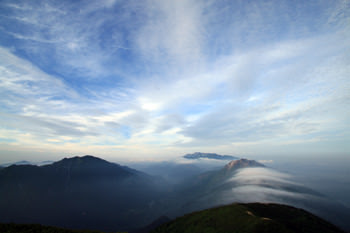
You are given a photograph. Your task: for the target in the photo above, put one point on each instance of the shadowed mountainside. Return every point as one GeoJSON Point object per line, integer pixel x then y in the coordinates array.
{"type": "Point", "coordinates": [80, 192]}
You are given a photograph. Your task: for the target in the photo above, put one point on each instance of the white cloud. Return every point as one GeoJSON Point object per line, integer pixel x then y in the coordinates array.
{"type": "Point", "coordinates": [176, 73]}
{"type": "Point", "coordinates": [257, 175]}
{"type": "Point", "coordinates": [172, 33]}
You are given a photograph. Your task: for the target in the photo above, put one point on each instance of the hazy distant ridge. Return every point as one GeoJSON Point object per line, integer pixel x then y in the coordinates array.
{"type": "Point", "coordinates": [24, 162]}
{"type": "Point", "coordinates": [200, 155]}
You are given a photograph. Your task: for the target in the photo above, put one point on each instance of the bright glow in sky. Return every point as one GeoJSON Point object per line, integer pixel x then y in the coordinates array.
{"type": "Point", "coordinates": [155, 79]}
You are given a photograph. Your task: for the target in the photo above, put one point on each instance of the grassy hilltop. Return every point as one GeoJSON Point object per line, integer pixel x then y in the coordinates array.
{"type": "Point", "coordinates": [248, 218]}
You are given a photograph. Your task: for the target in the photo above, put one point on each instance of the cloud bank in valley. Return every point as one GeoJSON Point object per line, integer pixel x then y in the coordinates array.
{"type": "Point", "coordinates": [266, 185]}
{"type": "Point", "coordinates": [160, 78]}
{"type": "Point", "coordinates": [261, 184]}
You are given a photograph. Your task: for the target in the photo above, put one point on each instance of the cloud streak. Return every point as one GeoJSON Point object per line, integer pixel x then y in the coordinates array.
{"type": "Point", "coordinates": [176, 76]}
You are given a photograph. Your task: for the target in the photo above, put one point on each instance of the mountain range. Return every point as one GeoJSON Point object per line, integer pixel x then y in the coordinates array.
{"type": "Point", "coordinates": [91, 193]}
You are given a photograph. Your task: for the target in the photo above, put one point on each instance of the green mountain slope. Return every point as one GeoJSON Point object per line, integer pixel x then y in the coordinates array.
{"type": "Point", "coordinates": [248, 218]}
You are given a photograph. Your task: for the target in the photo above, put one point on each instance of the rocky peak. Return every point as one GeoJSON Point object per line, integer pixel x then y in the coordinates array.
{"type": "Point", "coordinates": [242, 163]}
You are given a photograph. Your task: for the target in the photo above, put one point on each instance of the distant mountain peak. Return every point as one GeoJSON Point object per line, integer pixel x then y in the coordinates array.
{"type": "Point", "coordinates": [90, 157]}
{"type": "Point", "coordinates": [85, 157]}
{"type": "Point", "coordinates": [242, 163]}
{"type": "Point", "coordinates": [90, 166]}
{"type": "Point", "coordinates": [200, 155]}
{"type": "Point", "coordinates": [82, 159]}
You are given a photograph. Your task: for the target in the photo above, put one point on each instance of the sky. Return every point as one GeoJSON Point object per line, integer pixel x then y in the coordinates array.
{"type": "Point", "coordinates": [155, 79]}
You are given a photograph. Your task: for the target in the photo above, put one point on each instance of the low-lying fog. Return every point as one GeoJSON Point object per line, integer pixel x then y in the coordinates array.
{"type": "Point", "coordinates": [322, 187]}
{"type": "Point", "coordinates": [329, 177]}
{"type": "Point", "coordinates": [179, 170]}
{"type": "Point", "coordinates": [312, 190]}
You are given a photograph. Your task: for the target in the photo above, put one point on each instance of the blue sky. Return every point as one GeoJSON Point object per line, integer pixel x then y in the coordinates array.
{"type": "Point", "coordinates": [152, 80]}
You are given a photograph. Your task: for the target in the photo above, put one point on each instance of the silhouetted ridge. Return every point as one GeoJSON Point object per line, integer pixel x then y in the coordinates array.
{"type": "Point", "coordinates": [79, 192]}
{"type": "Point", "coordinates": [83, 160]}
{"type": "Point", "coordinates": [88, 168]}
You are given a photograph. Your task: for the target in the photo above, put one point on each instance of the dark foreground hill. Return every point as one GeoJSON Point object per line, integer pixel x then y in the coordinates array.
{"type": "Point", "coordinates": [249, 218]}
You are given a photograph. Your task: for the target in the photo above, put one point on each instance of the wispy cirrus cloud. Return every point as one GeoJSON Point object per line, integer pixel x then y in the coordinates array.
{"type": "Point", "coordinates": [175, 75]}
